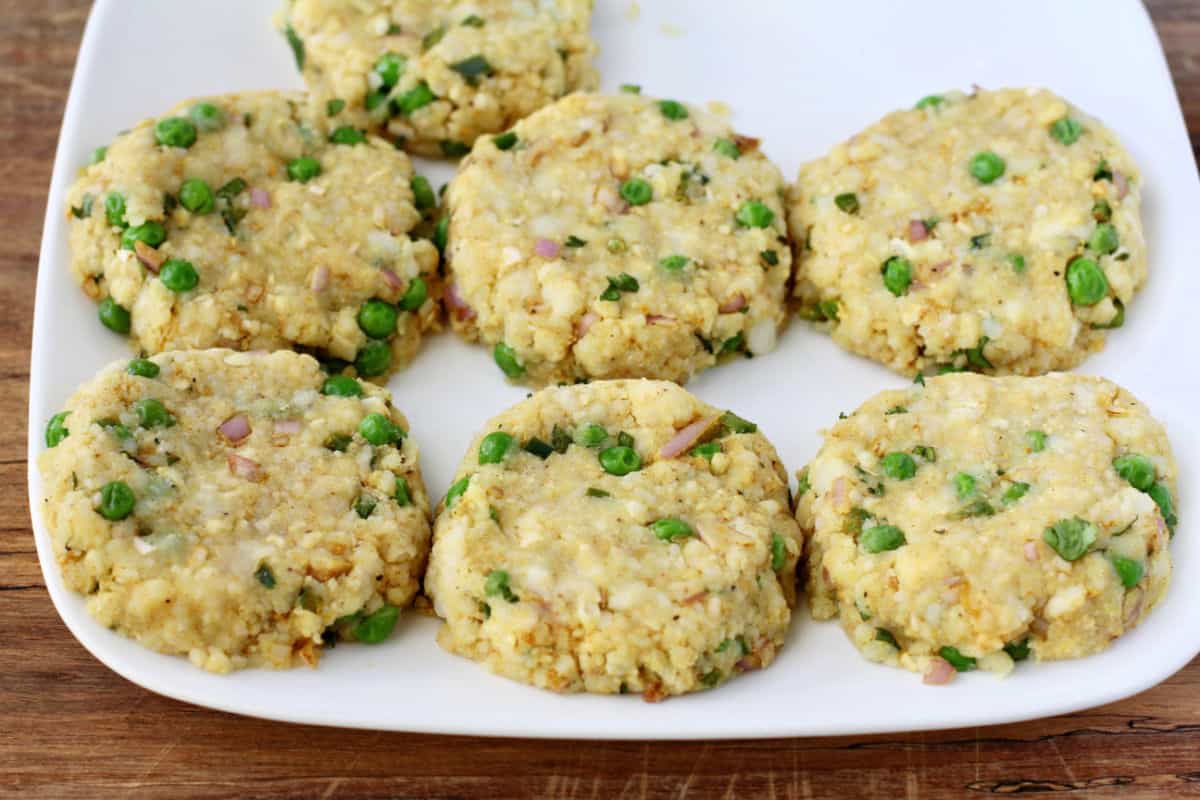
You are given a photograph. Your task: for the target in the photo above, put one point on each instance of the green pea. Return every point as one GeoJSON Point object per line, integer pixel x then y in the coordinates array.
{"type": "Point", "coordinates": [414, 296]}
{"type": "Point", "coordinates": [56, 429]}
{"type": "Point", "coordinates": [1070, 538]}
{"type": "Point", "coordinates": [497, 584]}
{"type": "Point", "coordinates": [897, 275]}
{"type": "Point", "coordinates": [669, 529]}
{"type": "Point", "coordinates": [347, 134]}
{"type": "Point", "coordinates": [964, 485]}
{"type": "Point", "coordinates": [114, 209]}
{"type": "Point", "coordinates": [364, 505]}
{"type": "Point", "coordinates": [1035, 440]}
{"type": "Point", "coordinates": [778, 552]}
{"type": "Point", "coordinates": [456, 491]}
{"type": "Point", "coordinates": [143, 368]}
{"type": "Point", "coordinates": [1161, 496]}
{"type": "Point", "coordinates": [452, 148]}
{"type": "Point", "coordinates": [401, 493]}
{"type": "Point", "coordinates": [1129, 571]}
{"type": "Point", "coordinates": [388, 67]}
{"type": "Point", "coordinates": [1014, 493]}
{"type": "Point", "coordinates": [620, 460]}
{"type": "Point", "coordinates": [881, 538]}
{"type": "Point", "coordinates": [986, 167]}
{"type": "Point", "coordinates": [473, 68]}
{"type": "Point", "coordinates": [591, 435]}
{"type": "Point", "coordinates": [505, 141]}
{"type": "Point", "coordinates": [265, 576]}
{"type": "Point", "coordinates": [440, 234]}
{"type": "Point", "coordinates": [175, 132]}
{"type": "Point", "coordinates": [207, 117]}
{"type": "Point", "coordinates": [898, 466]}
{"type": "Point", "coordinates": [930, 101]}
{"type": "Point", "coordinates": [373, 358]}
{"type": "Point", "coordinates": [378, 429]}
{"type": "Point", "coordinates": [376, 627]}
{"type": "Point", "coordinates": [1018, 651]}
{"type": "Point", "coordinates": [116, 501]}
{"type": "Point", "coordinates": [495, 447]}
{"type": "Point", "coordinates": [99, 154]}
{"type": "Point", "coordinates": [151, 413]}
{"type": "Point", "coordinates": [341, 386]}
{"type": "Point", "coordinates": [506, 359]}
{"type": "Point", "coordinates": [377, 319]}
{"type": "Point", "coordinates": [113, 316]}
{"type": "Point", "coordinates": [417, 97]}
{"type": "Point", "coordinates": [847, 202]}
{"type": "Point", "coordinates": [1137, 470]}
{"type": "Point", "coordinates": [1086, 283]}
{"type": "Point", "coordinates": [178, 275]}
{"type": "Point", "coordinates": [1017, 261]}
{"type": "Point", "coordinates": [754, 214]}
{"type": "Point", "coordinates": [1066, 130]}
{"type": "Point", "coordinates": [423, 196]}
{"type": "Point", "coordinates": [149, 232]}
{"type": "Point", "coordinates": [672, 109]}
{"type": "Point", "coordinates": [636, 192]}
{"type": "Point", "coordinates": [956, 659]}
{"type": "Point", "coordinates": [732, 423]}
{"type": "Point", "coordinates": [197, 196]}
{"type": "Point", "coordinates": [1104, 239]}
{"type": "Point", "coordinates": [727, 148]}
{"type": "Point", "coordinates": [303, 169]}
{"type": "Point", "coordinates": [673, 263]}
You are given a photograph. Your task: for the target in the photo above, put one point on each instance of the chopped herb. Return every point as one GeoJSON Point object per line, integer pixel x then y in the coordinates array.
{"type": "Point", "coordinates": [847, 202]}
{"type": "Point", "coordinates": [505, 141]}
{"type": "Point", "coordinates": [957, 660]}
{"type": "Point", "coordinates": [594, 492]}
{"type": "Point", "coordinates": [1070, 538]}
{"type": "Point", "coordinates": [297, 45]}
{"type": "Point", "coordinates": [473, 68]}
{"type": "Point", "coordinates": [264, 576]}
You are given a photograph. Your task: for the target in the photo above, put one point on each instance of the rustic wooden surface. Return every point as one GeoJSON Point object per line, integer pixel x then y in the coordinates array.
{"type": "Point", "coordinates": [71, 727]}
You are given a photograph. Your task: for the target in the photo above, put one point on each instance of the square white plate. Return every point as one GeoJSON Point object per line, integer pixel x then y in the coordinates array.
{"type": "Point", "coordinates": [802, 76]}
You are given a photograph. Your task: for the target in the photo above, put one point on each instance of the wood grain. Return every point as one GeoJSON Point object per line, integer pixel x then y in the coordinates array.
{"type": "Point", "coordinates": [72, 728]}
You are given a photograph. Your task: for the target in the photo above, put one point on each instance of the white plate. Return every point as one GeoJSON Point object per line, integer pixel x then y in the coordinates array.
{"type": "Point", "coordinates": [802, 76]}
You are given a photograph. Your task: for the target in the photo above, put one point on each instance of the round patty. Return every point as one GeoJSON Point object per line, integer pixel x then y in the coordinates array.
{"type": "Point", "coordinates": [975, 521]}
{"type": "Point", "coordinates": [239, 508]}
{"type": "Point", "coordinates": [243, 221]}
{"type": "Point", "coordinates": [617, 237]}
{"type": "Point", "coordinates": [436, 75]}
{"type": "Point", "coordinates": [997, 231]}
{"type": "Point", "coordinates": [616, 537]}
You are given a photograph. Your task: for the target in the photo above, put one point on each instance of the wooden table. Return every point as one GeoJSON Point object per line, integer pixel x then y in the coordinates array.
{"type": "Point", "coordinates": [70, 726]}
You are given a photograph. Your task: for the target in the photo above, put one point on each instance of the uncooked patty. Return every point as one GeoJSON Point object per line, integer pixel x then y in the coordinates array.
{"type": "Point", "coordinates": [922, 257]}
{"type": "Point", "coordinates": [435, 75]}
{"type": "Point", "coordinates": [278, 257]}
{"type": "Point", "coordinates": [617, 237]}
{"type": "Point", "coordinates": [552, 569]}
{"type": "Point", "coordinates": [994, 516]}
{"type": "Point", "coordinates": [231, 507]}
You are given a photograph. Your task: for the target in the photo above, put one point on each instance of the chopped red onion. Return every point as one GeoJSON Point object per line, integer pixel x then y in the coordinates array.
{"type": "Point", "coordinates": [455, 301]}
{"type": "Point", "coordinates": [244, 467]}
{"type": "Point", "coordinates": [320, 279]}
{"type": "Point", "coordinates": [917, 232]}
{"type": "Point", "coordinates": [260, 198]}
{"type": "Point", "coordinates": [236, 429]}
{"type": "Point", "coordinates": [652, 319]}
{"type": "Point", "coordinates": [1122, 184]}
{"type": "Point", "coordinates": [685, 438]}
{"type": "Point", "coordinates": [547, 248]}
{"type": "Point", "coordinates": [734, 304]}
{"type": "Point", "coordinates": [393, 280]}
{"type": "Point", "coordinates": [585, 323]}
{"type": "Point", "coordinates": [940, 672]}
{"type": "Point", "coordinates": [1031, 551]}
{"type": "Point", "coordinates": [287, 426]}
